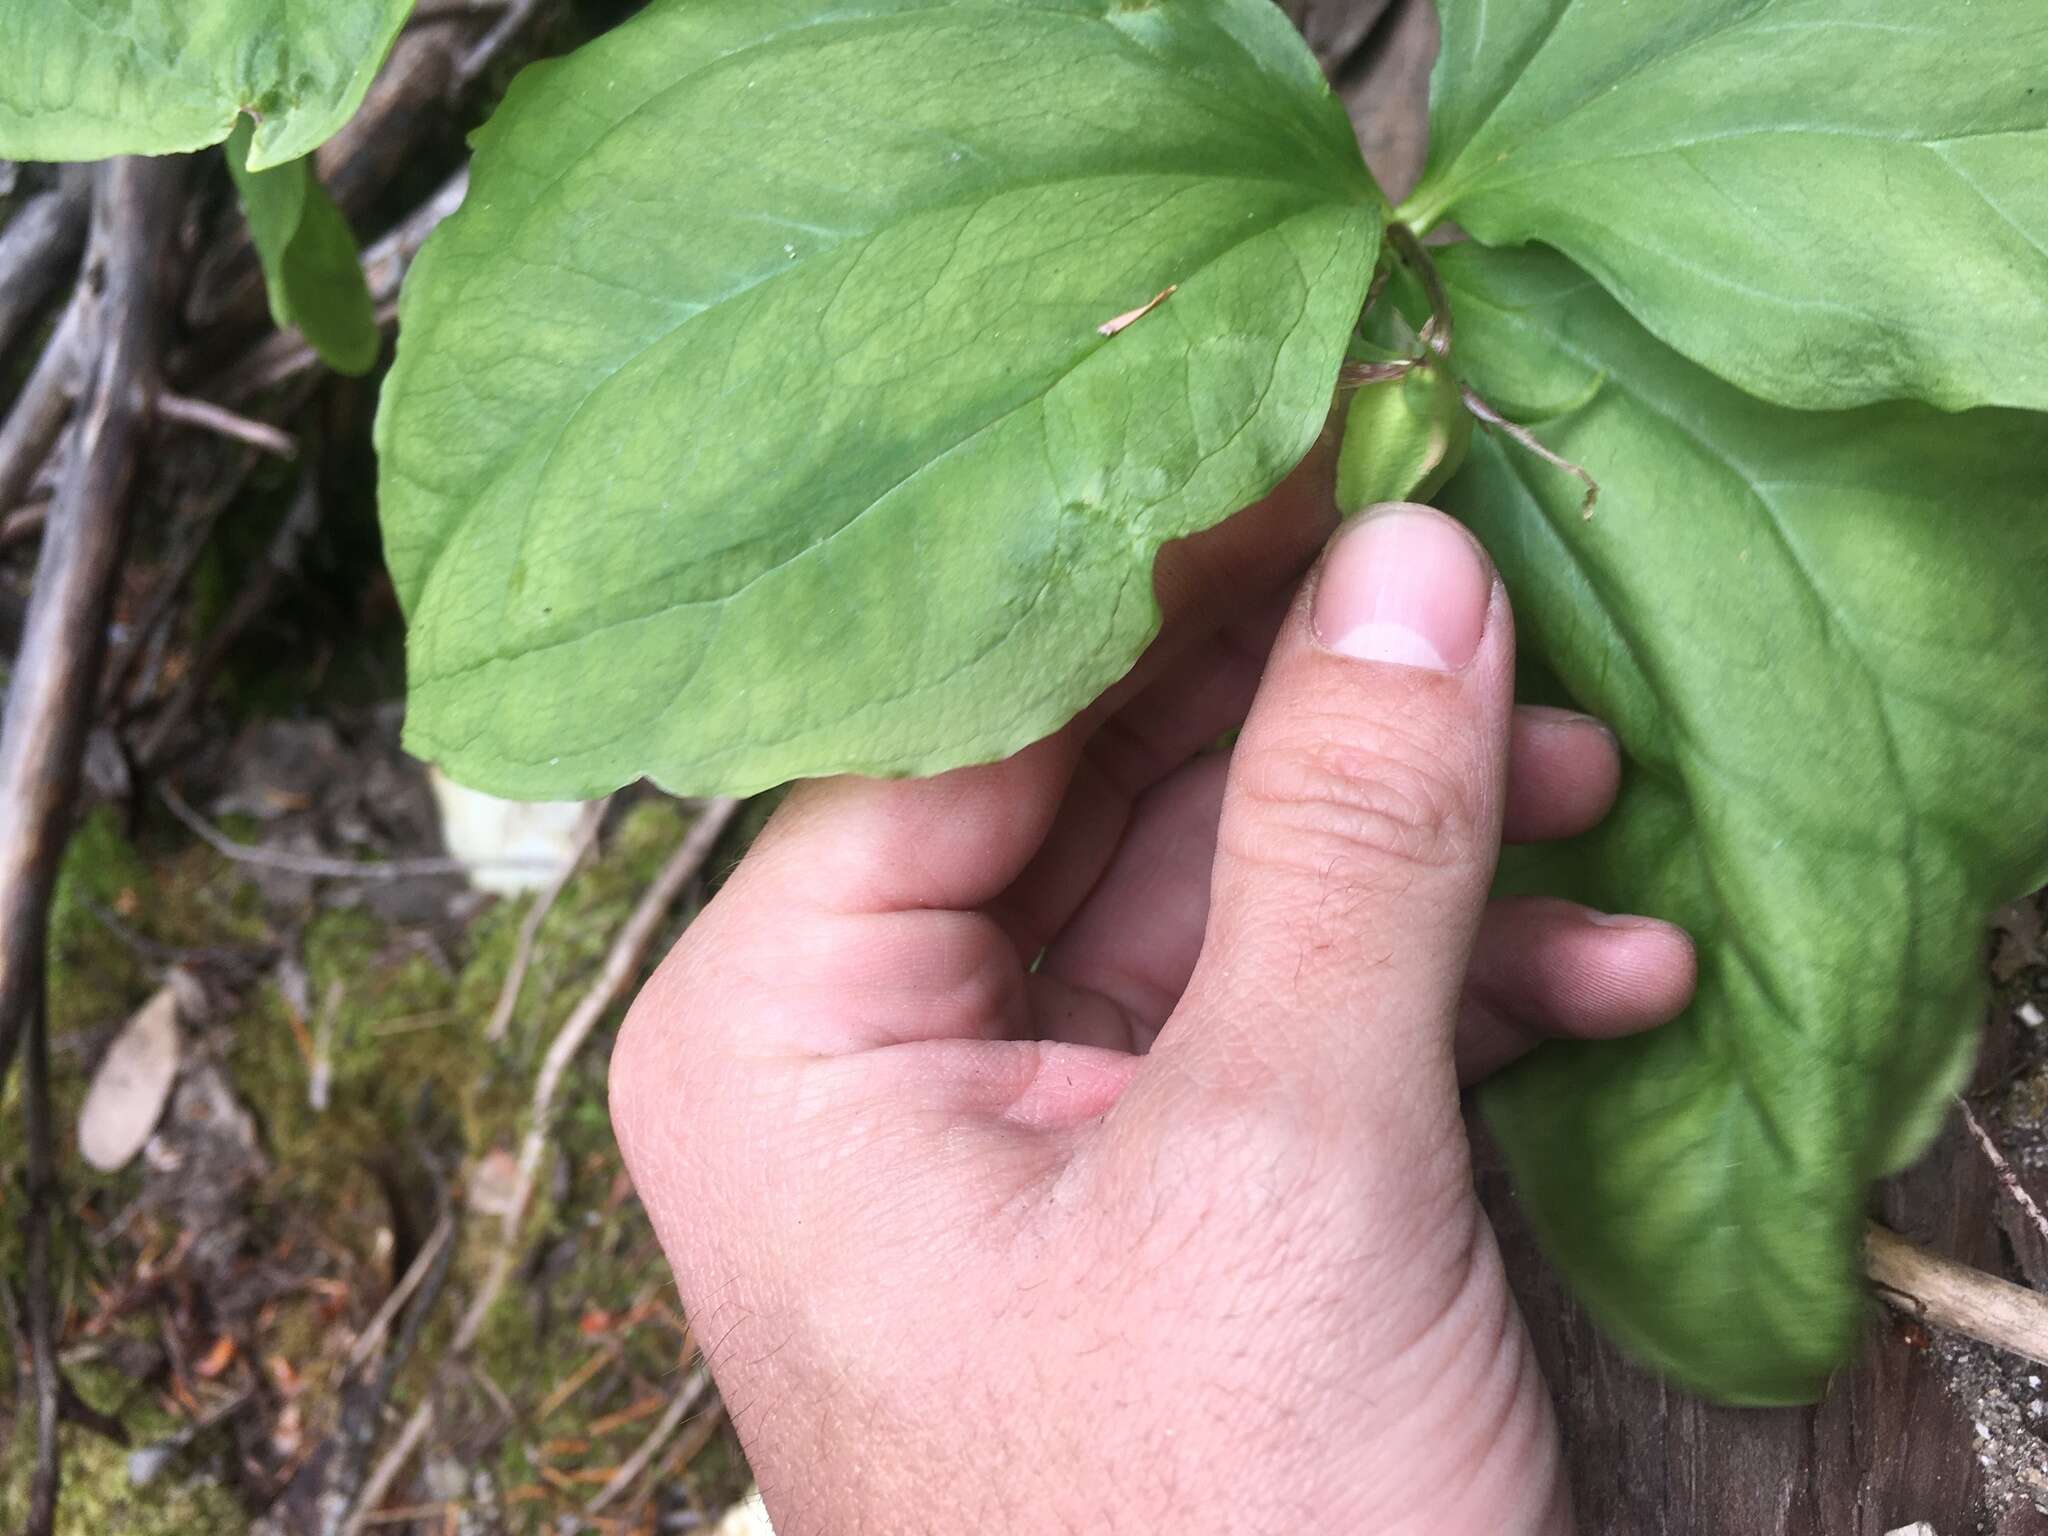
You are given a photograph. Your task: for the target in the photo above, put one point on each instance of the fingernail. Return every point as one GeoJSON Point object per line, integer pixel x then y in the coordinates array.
{"type": "Point", "coordinates": [1550, 714]}
{"type": "Point", "coordinates": [1404, 585]}
{"type": "Point", "coordinates": [1624, 920]}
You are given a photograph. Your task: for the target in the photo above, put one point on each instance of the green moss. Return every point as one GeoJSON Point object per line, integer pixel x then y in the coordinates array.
{"type": "Point", "coordinates": [98, 1497]}
{"type": "Point", "coordinates": [602, 1257]}
{"type": "Point", "coordinates": [406, 1029]}
{"type": "Point", "coordinates": [187, 897]}
{"type": "Point", "coordinates": [383, 1009]}
{"type": "Point", "coordinates": [95, 981]}
{"type": "Point", "coordinates": [612, 1265]}
{"type": "Point", "coordinates": [94, 978]}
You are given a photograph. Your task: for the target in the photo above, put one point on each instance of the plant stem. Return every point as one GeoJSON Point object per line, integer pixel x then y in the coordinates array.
{"type": "Point", "coordinates": [1436, 332]}
{"type": "Point", "coordinates": [1424, 208]}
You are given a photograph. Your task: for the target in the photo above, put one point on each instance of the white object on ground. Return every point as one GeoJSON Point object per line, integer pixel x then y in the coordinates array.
{"type": "Point", "coordinates": [131, 1085]}
{"type": "Point", "coordinates": [749, 1517]}
{"type": "Point", "coordinates": [1917, 1528]}
{"type": "Point", "coordinates": [510, 846]}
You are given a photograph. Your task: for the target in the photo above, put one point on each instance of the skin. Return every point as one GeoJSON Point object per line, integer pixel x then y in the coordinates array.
{"type": "Point", "coordinates": [1174, 1231]}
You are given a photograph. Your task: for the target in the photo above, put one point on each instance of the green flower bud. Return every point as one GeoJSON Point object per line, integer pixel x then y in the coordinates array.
{"type": "Point", "coordinates": [1403, 438]}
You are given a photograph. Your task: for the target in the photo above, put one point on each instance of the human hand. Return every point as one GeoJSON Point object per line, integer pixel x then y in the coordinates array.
{"type": "Point", "coordinates": [1073, 1143]}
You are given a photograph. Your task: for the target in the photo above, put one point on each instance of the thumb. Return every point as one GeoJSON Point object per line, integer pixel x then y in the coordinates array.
{"type": "Point", "coordinates": [1360, 828]}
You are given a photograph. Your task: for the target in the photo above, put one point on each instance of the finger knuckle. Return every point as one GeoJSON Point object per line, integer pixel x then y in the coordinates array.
{"type": "Point", "coordinates": [1334, 804]}
{"type": "Point", "coordinates": [660, 1057]}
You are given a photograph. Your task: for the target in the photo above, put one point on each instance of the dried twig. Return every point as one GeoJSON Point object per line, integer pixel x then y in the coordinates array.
{"type": "Point", "coordinates": [197, 513]}
{"type": "Point", "coordinates": [320, 1076]}
{"type": "Point", "coordinates": [346, 1499]}
{"type": "Point", "coordinates": [385, 263]}
{"type": "Point", "coordinates": [1956, 1297]}
{"type": "Point", "coordinates": [23, 523]}
{"type": "Point", "coordinates": [38, 247]}
{"type": "Point", "coordinates": [529, 926]}
{"type": "Point", "coordinates": [2008, 1180]}
{"type": "Point", "coordinates": [334, 1484]}
{"type": "Point", "coordinates": [318, 865]}
{"type": "Point", "coordinates": [260, 435]}
{"type": "Point", "coordinates": [687, 1396]}
{"type": "Point", "coordinates": [1476, 404]}
{"type": "Point", "coordinates": [389, 1465]}
{"type": "Point", "coordinates": [621, 964]}
{"type": "Point", "coordinates": [406, 106]}
{"type": "Point", "coordinates": [371, 1339]}
{"type": "Point", "coordinates": [517, 13]}
{"type": "Point", "coordinates": [42, 739]}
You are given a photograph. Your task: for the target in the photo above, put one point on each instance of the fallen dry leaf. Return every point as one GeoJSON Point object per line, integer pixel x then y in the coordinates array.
{"type": "Point", "coordinates": [1131, 317]}
{"type": "Point", "coordinates": [131, 1086]}
{"type": "Point", "coordinates": [216, 1359]}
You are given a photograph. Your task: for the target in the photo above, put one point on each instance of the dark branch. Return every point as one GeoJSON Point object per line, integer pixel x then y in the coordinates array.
{"type": "Point", "coordinates": [31, 428]}
{"type": "Point", "coordinates": [123, 293]}
{"type": "Point", "coordinates": [122, 297]}
{"type": "Point", "coordinates": [46, 1386]}
{"type": "Point", "coordinates": [39, 249]}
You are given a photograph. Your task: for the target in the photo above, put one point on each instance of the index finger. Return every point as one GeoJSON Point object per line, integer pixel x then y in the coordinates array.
{"type": "Point", "coordinates": [956, 841]}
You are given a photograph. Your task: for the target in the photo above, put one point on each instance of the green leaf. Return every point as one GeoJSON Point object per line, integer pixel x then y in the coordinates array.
{"type": "Point", "coordinates": [310, 266]}
{"type": "Point", "coordinates": [1822, 640]}
{"type": "Point", "coordinates": [90, 78]}
{"type": "Point", "coordinates": [1829, 202]}
{"type": "Point", "coordinates": [756, 416]}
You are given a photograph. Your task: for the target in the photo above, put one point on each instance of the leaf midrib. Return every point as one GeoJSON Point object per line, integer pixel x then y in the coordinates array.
{"type": "Point", "coordinates": [1490, 186]}
{"type": "Point", "coordinates": [474, 495]}
{"type": "Point", "coordinates": [430, 552]}
{"type": "Point", "coordinates": [1832, 614]}
{"type": "Point", "coordinates": [1090, 346]}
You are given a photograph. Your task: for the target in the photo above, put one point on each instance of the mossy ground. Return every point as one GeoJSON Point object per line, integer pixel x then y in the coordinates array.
{"type": "Point", "coordinates": [584, 1345]}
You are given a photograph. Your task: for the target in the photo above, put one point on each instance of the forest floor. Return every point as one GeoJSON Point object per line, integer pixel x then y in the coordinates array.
{"type": "Point", "coordinates": [340, 1123]}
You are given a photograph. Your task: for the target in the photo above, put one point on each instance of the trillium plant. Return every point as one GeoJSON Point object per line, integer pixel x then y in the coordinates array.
{"type": "Point", "coordinates": [807, 386]}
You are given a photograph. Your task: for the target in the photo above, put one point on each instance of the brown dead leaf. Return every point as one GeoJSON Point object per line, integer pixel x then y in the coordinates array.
{"type": "Point", "coordinates": [216, 1360]}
